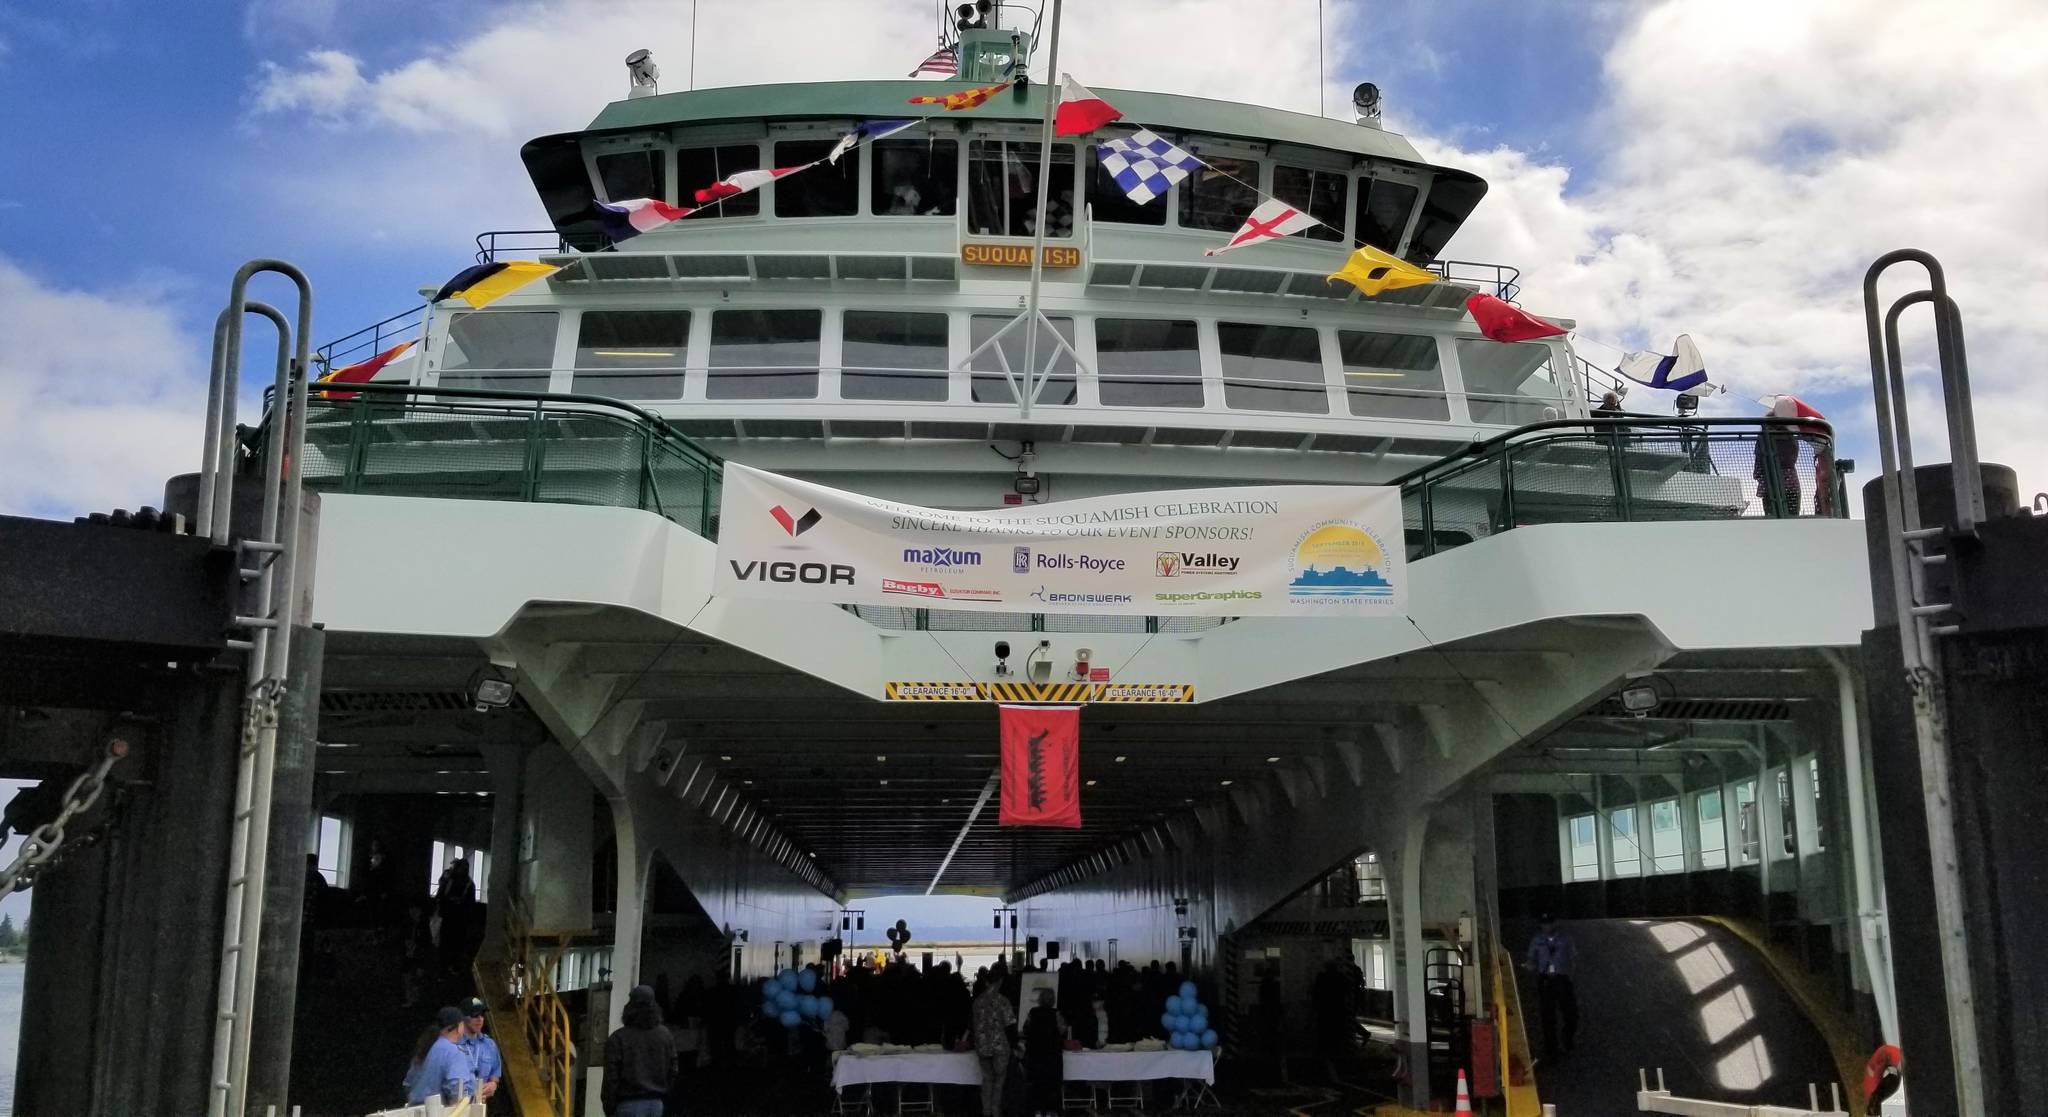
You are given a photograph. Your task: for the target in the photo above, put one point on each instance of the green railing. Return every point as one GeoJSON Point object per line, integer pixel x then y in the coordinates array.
{"type": "Point", "coordinates": [484, 444]}
{"type": "Point", "coordinates": [1624, 470]}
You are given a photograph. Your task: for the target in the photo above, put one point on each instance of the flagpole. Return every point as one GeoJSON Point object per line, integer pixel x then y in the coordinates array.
{"type": "Point", "coordinates": [1031, 313]}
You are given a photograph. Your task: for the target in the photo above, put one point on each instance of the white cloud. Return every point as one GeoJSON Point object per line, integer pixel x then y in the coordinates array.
{"type": "Point", "coordinates": [101, 404]}
{"type": "Point", "coordinates": [1758, 153]}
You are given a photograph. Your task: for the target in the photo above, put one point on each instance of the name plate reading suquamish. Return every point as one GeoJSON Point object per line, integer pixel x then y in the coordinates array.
{"type": "Point", "coordinates": [1018, 255]}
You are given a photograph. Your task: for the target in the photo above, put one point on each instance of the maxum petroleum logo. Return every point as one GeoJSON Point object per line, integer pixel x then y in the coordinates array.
{"type": "Point", "coordinates": [941, 558]}
{"type": "Point", "coordinates": [1173, 564]}
{"type": "Point", "coordinates": [794, 526]}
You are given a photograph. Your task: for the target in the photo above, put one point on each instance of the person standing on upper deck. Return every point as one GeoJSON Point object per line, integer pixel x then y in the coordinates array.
{"type": "Point", "coordinates": [1551, 957]}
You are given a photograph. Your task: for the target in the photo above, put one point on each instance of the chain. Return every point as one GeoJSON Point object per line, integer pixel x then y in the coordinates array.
{"type": "Point", "coordinates": [42, 846]}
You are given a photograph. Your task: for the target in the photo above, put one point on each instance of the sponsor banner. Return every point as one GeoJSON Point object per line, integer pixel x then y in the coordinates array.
{"type": "Point", "coordinates": [1265, 551]}
{"type": "Point", "coordinates": [1129, 693]}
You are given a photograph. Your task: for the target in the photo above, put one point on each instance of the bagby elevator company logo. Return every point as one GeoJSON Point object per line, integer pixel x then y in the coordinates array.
{"type": "Point", "coordinates": [1338, 562]}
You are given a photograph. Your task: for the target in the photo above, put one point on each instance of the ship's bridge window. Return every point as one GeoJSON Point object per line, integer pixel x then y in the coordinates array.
{"type": "Point", "coordinates": [1383, 209]}
{"type": "Point", "coordinates": [991, 385]}
{"type": "Point", "coordinates": [1220, 194]}
{"type": "Point", "coordinates": [634, 174]}
{"type": "Point", "coordinates": [1320, 194]}
{"type": "Point", "coordinates": [1449, 203]}
{"type": "Point", "coordinates": [1108, 202]}
{"type": "Point", "coordinates": [1392, 376]}
{"type": "Point", "coordinates": [699, 167]}
{"type": "Point", "coordinates": [632, 354]}
{"type": "Point", "coordinates": [513, 350]}
{"type": "Point", "coordinates": [892, 354]}
{"type": "Point", "coordinates": [763, 354]}
{"type": "Point", "coordinates": [826, 190]}
{"type": "Point", "coordinates": [1002, 189]}
{"type": "Point", "coordinates": [1148, 362]}
{"type": "Point", "coordinates": [914, 178]}
{"type": "Point", "coordinates": [1272, 368]}
{"type": "Point", "coordinates": [1509, 384]}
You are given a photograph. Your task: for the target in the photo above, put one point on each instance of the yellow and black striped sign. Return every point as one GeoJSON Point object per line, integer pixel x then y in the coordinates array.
{"type": "Point", "coordinates": [1039, 692]}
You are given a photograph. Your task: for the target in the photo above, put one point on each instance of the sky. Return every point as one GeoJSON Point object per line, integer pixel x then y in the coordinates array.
{"type": "Point", "coordinates": [1724, 168]}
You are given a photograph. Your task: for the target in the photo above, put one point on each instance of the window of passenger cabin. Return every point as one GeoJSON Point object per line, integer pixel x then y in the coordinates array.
{"type": "Point", "coordinates": [1220, 194]}
{"type": "Point", "coordinates": [1272, 368]}
{"type": "Point", "coordinates": [763, 354]}
{"type": "Point", "coordinates": [1392, 376]}
{"type": "Point", "coordinates": [632, 354]}
{"type": "Point", "coordinates": [1449, 203]}
{"type": "Point", "coordinates": [1108, 202]}
{"type": "Point", "coordinates": [914, 178]}
{"type": "Point", "coordinates": [1508, 384]}
{"type": "Point", "coordinates": [1383, 209]}
{"type": "Point", "coordinates": [1148, 362]}
{"type": "Point", "coordinates": [634, 174]}
{"type": "Point", "coordinates": [892, 354]}
{"type": "Point", "coordinates": [1713, 830]}
{"type": "Point", "coordinates": [990, 385]}
{"type": "Point", "coordinates": [1320, 194]}
{"type": "Point", "coordinates": [826, 190]}
{"type": "Point", "coordinates": [1002, 189]}
{"type": "Point", "coordinates": [699, 167]}
{"type": "Point", "coordinates": [511, 350]}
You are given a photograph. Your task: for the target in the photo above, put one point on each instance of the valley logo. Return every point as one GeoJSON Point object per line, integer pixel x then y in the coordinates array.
{"type": "Point", "coordinates": [1173, 564]}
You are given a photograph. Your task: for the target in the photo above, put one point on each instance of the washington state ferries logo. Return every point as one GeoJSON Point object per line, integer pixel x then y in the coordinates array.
{"type": "Point", "coordinates": [795, 525]}
{"type": "Point", "coordinates": [1338, 562]}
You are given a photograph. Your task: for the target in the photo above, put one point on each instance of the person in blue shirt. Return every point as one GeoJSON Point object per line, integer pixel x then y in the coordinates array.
{"type": "Point", "coordinates": [485, 1066]}
{"type": "Point", "coordinates": [1551, 957]}
{"type": "Point", "coordinates": [438, 1065]}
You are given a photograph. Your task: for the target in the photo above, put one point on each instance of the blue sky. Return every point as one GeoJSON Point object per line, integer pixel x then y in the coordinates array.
{"type": "Point", "coordinates": [1718, 168]}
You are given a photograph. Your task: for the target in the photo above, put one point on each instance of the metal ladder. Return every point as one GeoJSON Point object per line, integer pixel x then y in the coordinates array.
{"type": "Point", "coordinates": [268, 568]}
{"type": "Point", "coordinates": [1921, 618]}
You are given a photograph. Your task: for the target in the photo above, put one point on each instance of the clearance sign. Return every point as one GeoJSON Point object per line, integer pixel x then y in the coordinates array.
{"type": "Point", "coordinates": [1126, 693]}
{"type": "Point", "coordinates": [1268, 551]}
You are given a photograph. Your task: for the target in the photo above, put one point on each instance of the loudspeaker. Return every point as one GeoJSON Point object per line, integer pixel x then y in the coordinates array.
{"type": "Point", "coordinates": [830, 949]}
{"type": "Point", "coordinates": [1052, 950]}
{"type": "Point", "coordinates": [1031, 946]}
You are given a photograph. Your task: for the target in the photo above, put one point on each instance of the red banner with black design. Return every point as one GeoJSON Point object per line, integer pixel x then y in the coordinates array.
{"type": "Point", "coordinates": [1041, 766]}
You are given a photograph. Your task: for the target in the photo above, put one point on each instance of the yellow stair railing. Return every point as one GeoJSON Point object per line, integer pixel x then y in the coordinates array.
{"type": "Point", "coordinates": [1517, 1074]}
{"type": "Point", "coordinates": [539, 1048]}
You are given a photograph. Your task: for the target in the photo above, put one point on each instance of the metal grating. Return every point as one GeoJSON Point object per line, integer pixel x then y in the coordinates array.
{"type": "Point", "coordinates": [933, 267]}
{"type": "Point", "coordinates": [1186, 436]}
{"type": "Point", "coordinates": [1132, 435]}
{"type": "Point", "coordinates": [609, 266]}
{"type": "Point", "coordinates": [873, 267]}
{"type": "Point", "coordinates": [1268, 440]}
{"type": "Point", "coordinates": [710, 267]}
{"type": "Point", "coordinates": [784, 428]}
{"type": "Point", "coordinates": [1702, 709]}
{"type": "Point", "coordinates": [399, 701]}
{"type": "Point", "coordinates": [1247, 281]}
{"type": "Point", "coordinates": [705, 428]}
{"type": "Point", "coordinates": [1113, 275]}
{"type": "Point", "coordinates": [793, 267]}
{"type": "Point", "coordinates": [866, 428]}
{"type": "Point", "coordinates": [1176, 277]}
{"type": "Point", "coordinates": [949, 430]}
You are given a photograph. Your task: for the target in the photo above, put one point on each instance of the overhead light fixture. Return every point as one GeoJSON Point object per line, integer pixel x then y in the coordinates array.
{"type": "Point", "coordinates": [727, 759]}
{"type": "Point", "coordinates": [1272, 760]}
{"type": "Point", "coordinates": [1642, 696]}
{"type": "Point", "coordinates": [881, 759]}
{"type": "Point", "coordinates": [492, 687]}
{"type": "Point", "coordinates": [1226, 783]}
{"type": "Point", "coordinates": [1091, 783]}
{"type": "Point", "coordinates": [1119, 760]}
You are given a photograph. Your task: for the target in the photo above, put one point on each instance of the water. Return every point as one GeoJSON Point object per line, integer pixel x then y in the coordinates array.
{"type": "Point", "coordinates": [10, 1030]}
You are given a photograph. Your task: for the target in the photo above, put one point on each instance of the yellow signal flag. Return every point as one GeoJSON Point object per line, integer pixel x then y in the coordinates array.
{"type": "Point", "coordinates": [1373, 272]}
{"type": "Point", "coordinates": [487, 283]}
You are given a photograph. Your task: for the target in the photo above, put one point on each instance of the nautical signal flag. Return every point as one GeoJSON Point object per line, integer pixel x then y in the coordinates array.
{"type": "Point", "coordinates": [1271, 221]}
{"type": "Point", "coordinates": [867, 131]}
{"type": "Point", "coordinates": [362, 372]}
{"type": "Point", "coordinates": [1144, 165]}
{"type": "Point", "coordinates": [965, 99]}
{"type": "Point", "coordinates": [1041, 772]}
{"type": "Point", "coordinates": [1504, 321]}
{"type": "Point", "coordinates": [1682, 371]}
{"type": "Point", "coordinates": [480, 285]}
{"type": "Point", "coordinates": [1373, 272]}
{"type": "Point", "coordinates": [628, 219]}
{"type": "Point", "coordinates": [1080, 111]}
{"type": "Point", "coordinates": [746, 182]}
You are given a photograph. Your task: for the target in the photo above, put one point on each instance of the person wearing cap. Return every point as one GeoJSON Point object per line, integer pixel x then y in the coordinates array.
{"type": "Point", "coordinates": [639, 1060]}
{"type": "Point", "coordinates": [485, 1066]}
{"type": "Point", "coordinates": [438, 1065]}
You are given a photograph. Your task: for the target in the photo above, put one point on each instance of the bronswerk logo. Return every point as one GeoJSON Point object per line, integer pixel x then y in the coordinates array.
{"type": "Point", "coordinates": [795, 525]}
{"type": "Point", "coordinates": [1338, 561]}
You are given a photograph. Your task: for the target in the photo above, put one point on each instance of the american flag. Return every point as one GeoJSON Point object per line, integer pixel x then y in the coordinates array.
{"type": "Point", "coordinates": [942, 61]}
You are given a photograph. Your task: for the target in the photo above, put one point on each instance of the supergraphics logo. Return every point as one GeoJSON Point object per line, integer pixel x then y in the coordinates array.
{"type": "Point", "coordinates": [1173, 564]}
{"type": "Point", "coordinates": [1338, 562]}
{"type": "Point", "coordinates": [795, 525]}
{"type": "Point", "coordinates": [942, 558]}
{"type": "Point", "coordinates": [1199, 596]}
{"type": "Point", "coordinates": [1056, 597]}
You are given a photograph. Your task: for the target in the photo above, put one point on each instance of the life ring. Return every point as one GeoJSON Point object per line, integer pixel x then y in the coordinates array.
{"type": "Point", "coordinates": [1882, 1076]}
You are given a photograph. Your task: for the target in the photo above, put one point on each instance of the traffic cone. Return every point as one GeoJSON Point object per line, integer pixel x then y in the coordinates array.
{"type": "Point", "coordinates": [1464, 1098]}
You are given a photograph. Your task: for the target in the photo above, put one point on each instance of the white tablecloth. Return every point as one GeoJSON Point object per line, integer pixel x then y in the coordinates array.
{"type": "Point", "coordinates": [954, 1068]}
{"type": "Point", "coordinates": [1134, 1066]}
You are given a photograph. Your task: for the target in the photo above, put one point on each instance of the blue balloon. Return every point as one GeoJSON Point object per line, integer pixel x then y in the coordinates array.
{"type": "Point", "coordinates": [1199, 1022]}
{"type": "Point", "coordinates": [771, 1010]}
{"type": "Point", "coordinates": [824, 1007]}
{"type": "Point", "coordinates": [807, 1006]}
{"type": "Point", "coordinates": [786, 1001]}
{"type": "Point", "coordinates": [786, 979]}
{"type": "Point", "coordinates": [1187, 989]}
{"type": "Point", "coordinates": [790, 1019]}
{"type": "Point", "coordinates": [1167, 1021]}
{"type": "Point", "coordinates": [807, 980]}
{"type": "Point", "coordinates": [1208, 1038]}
